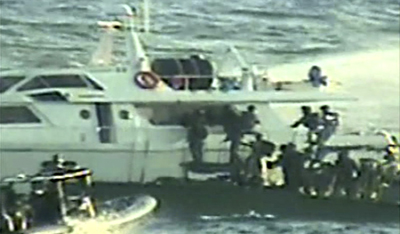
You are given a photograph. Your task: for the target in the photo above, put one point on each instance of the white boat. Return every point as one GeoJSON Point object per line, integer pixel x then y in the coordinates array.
{"type": "Point", "coordinates": [121, 116]}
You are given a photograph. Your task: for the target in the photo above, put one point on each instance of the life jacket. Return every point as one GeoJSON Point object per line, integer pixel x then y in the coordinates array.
{"type": "Point", "coordinates": [312, 121]}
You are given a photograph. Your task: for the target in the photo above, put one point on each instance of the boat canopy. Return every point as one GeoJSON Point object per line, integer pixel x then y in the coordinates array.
{"type": "Point", "coordinates": [53, 177]}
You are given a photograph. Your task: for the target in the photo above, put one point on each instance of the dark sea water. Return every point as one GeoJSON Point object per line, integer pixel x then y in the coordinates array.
{"type": "Point", "coordinates": [272, 32]}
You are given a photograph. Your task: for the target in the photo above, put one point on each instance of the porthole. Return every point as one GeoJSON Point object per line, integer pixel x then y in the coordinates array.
{"type": "Point", "coordinates": [85, 114]}
{"type": "Point", "coordinates": [124, 114]}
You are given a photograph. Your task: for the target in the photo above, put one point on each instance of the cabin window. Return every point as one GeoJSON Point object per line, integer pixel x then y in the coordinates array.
{"type": "Point", "coordinates": [124, 114]}
{"type": "Point", "coordinates": [85, 114]}
{"type": "Point", "coordinates": [17, 115]}
{"type": "Point", "coordinates": [6, 82]}
{"type": "Point", "coordinates": [49, 97]}
{"type": "Point", "coordinates": [54, 81]}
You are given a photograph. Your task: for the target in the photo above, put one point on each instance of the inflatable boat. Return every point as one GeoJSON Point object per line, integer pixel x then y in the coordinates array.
{"type": "Point", "coordinates": [60, 201]}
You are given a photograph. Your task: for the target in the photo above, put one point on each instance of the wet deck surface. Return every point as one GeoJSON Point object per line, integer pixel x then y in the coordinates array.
{"type": "Point", "coordinates": [216, 198]}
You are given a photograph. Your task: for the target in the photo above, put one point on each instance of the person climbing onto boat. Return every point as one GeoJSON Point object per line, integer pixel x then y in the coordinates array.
{"type": "Point", "coordinates": [197, 133]}
{"type": "Point", "coordinates": [292, 164]}
{"type": "Point", "coordinates": [389, 168]}
{"type": "Point", "coordinates": [330, 122]}
{"type": "Point", "coordinates": [232, 125]}
{"type": "Point", "coordinates": [346, 173]}
{"type": "Point", "coordinates": [369, 182]}
{"type": "Point", "coordinates": [392, 148]}
{"type": "Point", "coordinates": [316, 78]}
{"type": "Point", "coordinates": [250, 120]}
{"type": "Point", "coordinates": [8, 207]}
{"type": "Point", "coordinates": [259, 149]}
{"type": "Point", "coordinates": [311, 163]}
{"type": "Point", "coordinates": [272, 173]}
{"type": "Point", "coordinates": [312, 122]}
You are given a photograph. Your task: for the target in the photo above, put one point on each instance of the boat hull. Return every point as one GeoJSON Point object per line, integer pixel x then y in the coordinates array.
{"type": "Point", "coordinates": [193, 200]}
{"type": "Point", "coordinates": [114, 214]}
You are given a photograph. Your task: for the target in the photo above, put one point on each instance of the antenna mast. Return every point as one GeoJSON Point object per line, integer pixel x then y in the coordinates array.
{"type": "Point", "coordinates": [146, 16]}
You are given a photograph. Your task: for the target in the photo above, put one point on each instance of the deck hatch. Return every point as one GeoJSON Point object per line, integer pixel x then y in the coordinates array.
{"type": "Point", "coordinates": [17, 115]}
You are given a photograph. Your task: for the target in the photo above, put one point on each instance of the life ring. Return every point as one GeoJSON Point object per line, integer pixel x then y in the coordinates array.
{"type": "Point", "coordinates": [146, 80]}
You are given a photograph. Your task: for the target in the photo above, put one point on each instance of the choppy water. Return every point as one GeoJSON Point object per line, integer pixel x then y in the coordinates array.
{"type": "Point", "coordinates": [356, 41]}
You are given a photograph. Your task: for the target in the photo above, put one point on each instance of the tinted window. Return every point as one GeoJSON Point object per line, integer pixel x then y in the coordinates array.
{"type": "Point", "coordinates": [7, 81]}
{"type": "Point", "coordinates": [54, 81]}
{"type": "Point", "coordinates": [50, 96]}
{"type": "Point", "coordinates": [17, 115]}
{"type": "Point", "coordinates": [64, 81]}
{"type": "Point", "coordinates": [36, 83]}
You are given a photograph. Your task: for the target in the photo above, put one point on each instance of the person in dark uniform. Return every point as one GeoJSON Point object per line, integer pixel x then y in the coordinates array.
{"type": "Point", "coordinates": [250, 120]}
{"type": "Point", "coordinates": [311, 121]}
{"type": "Point", "coordinates": [9, 202]}
{"type": "Point", "coordinates": [346, 174]}
{"type": "Point", "coordinates": [233, 128]}
{"type": "Point", "coordinates": [292, 163]}
{"type": "Point", "coordinates": [370, 179]}
{"type": "Point", "coordinates": [330, 122]}
{"type": "Point", "coordinates": [197, 133]}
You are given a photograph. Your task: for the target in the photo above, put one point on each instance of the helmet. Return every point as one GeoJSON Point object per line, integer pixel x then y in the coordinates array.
{"type": "Point", "coordinates": [251, 108]}
{"type": "Point", "coordinates": [324, 108]}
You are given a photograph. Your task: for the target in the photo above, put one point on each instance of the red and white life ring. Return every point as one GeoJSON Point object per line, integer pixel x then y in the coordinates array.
{"type": "Point", "coordinates": [146, 80]}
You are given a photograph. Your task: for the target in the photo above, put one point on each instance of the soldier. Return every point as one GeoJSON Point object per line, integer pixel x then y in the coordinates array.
{"type": "Point", "coordinates": [312, 122]}
{"type": "Point", "coordinates": [197, 133]}
{"type": "Point", "coordinates": [370, 179]}
{"type": "Point", "coordinates": [330, 122]}
{"type": "Point", "coordinates": [292, 163]}
{"type": "Point", "coordinates": [257, 164]}
{"type": "Point", "coordinates": [346, 174]}
{"type": "Point", "coordinates": [250, 120]}
{"type": "Point", "coordinates": [233, 129]}
{"type": "Point", "coordinates": [392, 149]}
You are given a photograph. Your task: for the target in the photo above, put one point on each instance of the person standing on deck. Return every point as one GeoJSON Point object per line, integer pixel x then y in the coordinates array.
{"type": "Point", "coordinates": [316, 78]}
{"type": "Point", "coordinates": [197, 133]}
{"type": "Point", "coordinates": [312, 122]}
{"type": "Point", "coordinates": [330, 122]}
